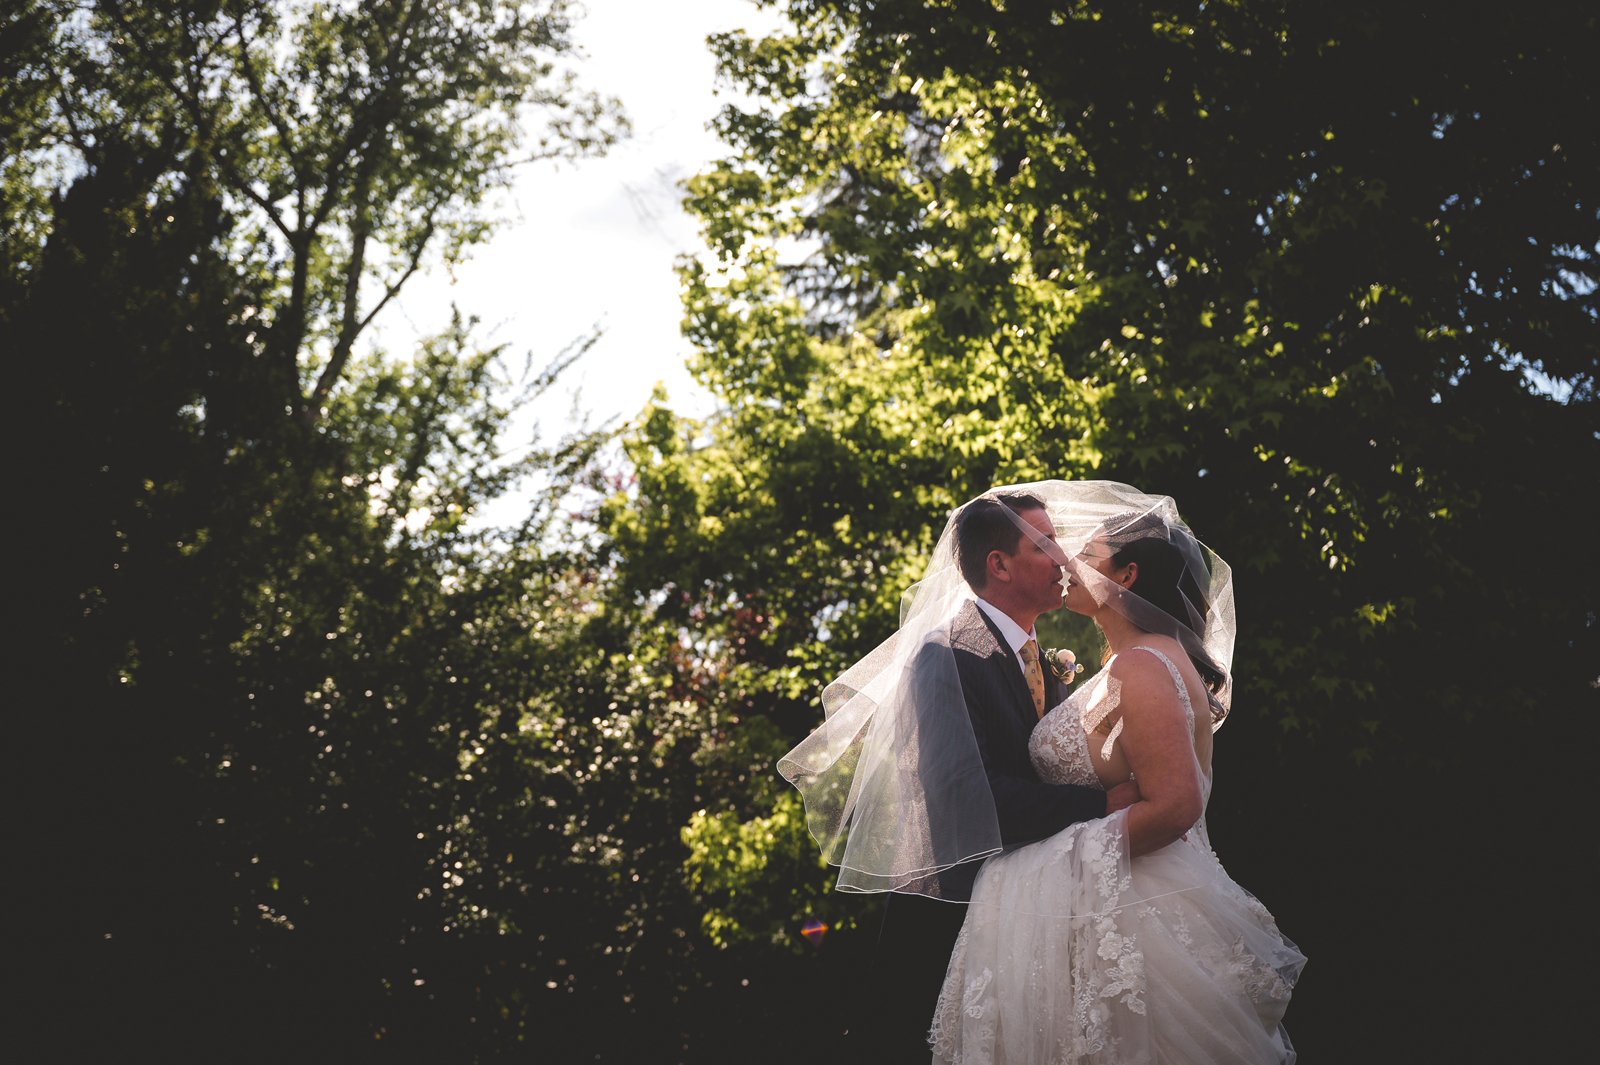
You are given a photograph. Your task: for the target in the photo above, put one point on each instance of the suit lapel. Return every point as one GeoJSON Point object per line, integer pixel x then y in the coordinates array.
{"type": "Point", "coordinates": [1005, 661]}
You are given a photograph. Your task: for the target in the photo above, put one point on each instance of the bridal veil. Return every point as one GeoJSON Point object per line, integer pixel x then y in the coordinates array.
{"type": "Point", "coordinates": [895, 791]}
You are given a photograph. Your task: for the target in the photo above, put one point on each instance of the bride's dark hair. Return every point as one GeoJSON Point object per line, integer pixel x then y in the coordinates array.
{"type": "Point", "coordinates": [1164, 579]}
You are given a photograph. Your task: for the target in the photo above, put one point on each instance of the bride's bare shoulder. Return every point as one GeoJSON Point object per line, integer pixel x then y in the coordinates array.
{"type": "Point", "coordinates": [1144, 677]}
{"type": "Point", "coordinates": [1165, 644]}
{"type": "Point", "coordinates": [1134, 660]}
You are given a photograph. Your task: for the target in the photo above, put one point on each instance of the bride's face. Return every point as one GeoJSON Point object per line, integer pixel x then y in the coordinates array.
{"type": "Point", "coordinates": [1096, 555]}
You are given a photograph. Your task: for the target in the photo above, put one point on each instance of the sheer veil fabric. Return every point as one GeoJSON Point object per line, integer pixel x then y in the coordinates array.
{"type": "Point", "coordinates": [895, 791]}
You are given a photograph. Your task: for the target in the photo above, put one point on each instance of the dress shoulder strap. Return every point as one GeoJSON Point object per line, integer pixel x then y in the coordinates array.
{"type": "Point", "coordinates": [1177, 679]}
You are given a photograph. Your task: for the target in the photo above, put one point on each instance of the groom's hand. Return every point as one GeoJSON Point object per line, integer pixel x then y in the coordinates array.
{"type": "Point", "coordinates": [1122, 796]}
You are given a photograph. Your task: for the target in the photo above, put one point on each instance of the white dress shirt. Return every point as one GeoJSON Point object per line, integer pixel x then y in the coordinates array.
{"type": "Point", "coordinates": [1013, 633]}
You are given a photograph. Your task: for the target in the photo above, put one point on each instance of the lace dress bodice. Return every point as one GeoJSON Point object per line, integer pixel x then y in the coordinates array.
{"type": "Point", "coordinates": [1059, 744]}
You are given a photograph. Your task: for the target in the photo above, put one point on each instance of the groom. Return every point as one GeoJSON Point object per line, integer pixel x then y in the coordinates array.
{"type": "Point", "coordinates": [1006, 689]}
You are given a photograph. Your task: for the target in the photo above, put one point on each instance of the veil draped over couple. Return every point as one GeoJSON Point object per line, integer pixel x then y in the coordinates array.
{"type": "Point", "coordinates": [1053, 893]}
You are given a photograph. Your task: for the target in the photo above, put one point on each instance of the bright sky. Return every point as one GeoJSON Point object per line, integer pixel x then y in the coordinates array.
{"type": "Point", "coordinates": [596, 242]}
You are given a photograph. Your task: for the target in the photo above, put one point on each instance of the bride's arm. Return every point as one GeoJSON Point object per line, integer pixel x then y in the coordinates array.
{"type": "Point", "coordinates": [1160, 749]}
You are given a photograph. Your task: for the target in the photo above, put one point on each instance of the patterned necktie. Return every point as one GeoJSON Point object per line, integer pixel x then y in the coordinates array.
{"type": "Point", "coordinates": [1033, 675]}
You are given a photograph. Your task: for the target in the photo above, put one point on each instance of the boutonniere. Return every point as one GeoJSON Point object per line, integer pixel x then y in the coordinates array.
{"type": "Point", "coordinates": [1064, 664]}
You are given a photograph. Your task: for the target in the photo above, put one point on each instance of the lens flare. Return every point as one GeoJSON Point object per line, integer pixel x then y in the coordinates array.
{"type": "Point", "coordinates": [814, 930]}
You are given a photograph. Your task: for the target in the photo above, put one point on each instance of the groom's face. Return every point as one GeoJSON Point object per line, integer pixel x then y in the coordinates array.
{"type": "Point", "coordinates": [1037, 575]}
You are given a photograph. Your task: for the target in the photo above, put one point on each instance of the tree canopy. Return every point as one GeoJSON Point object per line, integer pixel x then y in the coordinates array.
{"type": "Point", "coordinates": [1244, 254]}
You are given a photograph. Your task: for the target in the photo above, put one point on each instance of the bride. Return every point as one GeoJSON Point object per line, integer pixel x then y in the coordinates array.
{"type": "Point", "coordinates": [1122, 939]}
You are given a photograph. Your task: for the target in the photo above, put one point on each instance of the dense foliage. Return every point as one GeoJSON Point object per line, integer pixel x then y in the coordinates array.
{"type": "Point", "coordinates": [1279, 260]}
{"type": "Point", "coordinates": [313, 767]}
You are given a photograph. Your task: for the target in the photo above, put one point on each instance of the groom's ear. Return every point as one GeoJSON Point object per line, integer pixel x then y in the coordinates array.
{"type": "Point", "coordinates": [997, 567]}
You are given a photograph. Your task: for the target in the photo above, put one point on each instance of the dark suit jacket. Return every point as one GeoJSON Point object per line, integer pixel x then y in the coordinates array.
{"type": "Point", "coordinates": [1001, 710]}
{"type": "Point", "coordinates": [919, 931]}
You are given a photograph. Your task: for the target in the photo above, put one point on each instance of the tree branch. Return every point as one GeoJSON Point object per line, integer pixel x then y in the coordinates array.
{"type": "Point", "coordinates": [351, 329]}
{"type": "Point", "coordinates": [259, 89]}
{"type": "Point", "coordinates": [266, 205]}
{"type": "Point", "coordinates": [370, 121]}
{"type": "Point", "coordinates": [393, 290]}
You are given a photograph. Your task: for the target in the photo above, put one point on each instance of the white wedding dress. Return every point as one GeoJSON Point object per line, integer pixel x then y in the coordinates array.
{"type": "Point", "coordinates": [1072, 953]}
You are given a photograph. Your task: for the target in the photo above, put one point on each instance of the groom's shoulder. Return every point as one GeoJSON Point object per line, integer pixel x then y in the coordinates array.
{"type": "Point", "coordinates": [970, 633]}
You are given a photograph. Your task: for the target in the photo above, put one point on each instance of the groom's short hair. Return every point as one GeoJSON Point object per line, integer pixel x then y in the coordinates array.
{"type": "Point", "coordinates": [984, 526]}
